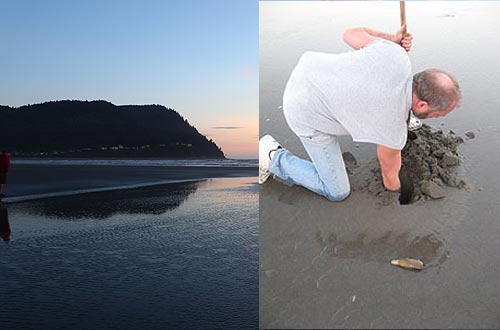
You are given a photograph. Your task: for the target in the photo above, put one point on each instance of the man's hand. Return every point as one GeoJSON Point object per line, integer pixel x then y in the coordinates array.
{"type": "Point", "coordinates": [406, 41]}
{"type": "Point", "coordinates": [390, 164]}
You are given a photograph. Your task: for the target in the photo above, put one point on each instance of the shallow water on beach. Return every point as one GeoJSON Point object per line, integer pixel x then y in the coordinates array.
{"type": "Point", "coordinates": [143, 162]}
{"type": "Point", "coordinates": [325, 264]}
{"type": "Point", "coordinates": [165, 257]}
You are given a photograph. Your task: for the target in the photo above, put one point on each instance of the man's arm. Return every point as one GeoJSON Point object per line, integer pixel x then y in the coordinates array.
{"type": "Point", "coordinates": [390, 163]}
{"type": "Point", "coordinates": [359, 37]}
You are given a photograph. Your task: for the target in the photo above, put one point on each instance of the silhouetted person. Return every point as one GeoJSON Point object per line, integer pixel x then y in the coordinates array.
{"type": "Point", "coordinates": [4, 223]}
{"type": "Point", "coordinates": [4, 168]}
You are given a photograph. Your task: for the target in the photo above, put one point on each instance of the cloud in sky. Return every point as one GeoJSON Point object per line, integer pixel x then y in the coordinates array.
{"type": "Point", "coordinates": [227, 127]}
{"type": "Point", "coordinates": [247, 71]}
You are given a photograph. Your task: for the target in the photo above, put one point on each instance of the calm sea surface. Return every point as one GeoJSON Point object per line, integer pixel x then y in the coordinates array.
{"type": "Point", "coordinates": [165, 257]}
{"type": "Point", "coordinates": [143, 162]}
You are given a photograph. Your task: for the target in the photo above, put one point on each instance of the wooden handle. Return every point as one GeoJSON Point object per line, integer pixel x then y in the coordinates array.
{"type": "Point", "coordinates": [402, 12]}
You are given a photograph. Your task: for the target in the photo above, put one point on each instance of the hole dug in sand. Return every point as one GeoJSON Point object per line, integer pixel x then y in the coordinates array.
{"type": "Point", "coordinates": [429, 158]}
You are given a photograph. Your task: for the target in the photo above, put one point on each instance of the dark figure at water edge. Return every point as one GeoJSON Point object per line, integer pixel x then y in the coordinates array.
{"type": "Point", "coordinates": [368, 93]}
{"type": "Point", "coordinates": [4, 223]}
{"type": "Point", "coordinates": [4, 168]}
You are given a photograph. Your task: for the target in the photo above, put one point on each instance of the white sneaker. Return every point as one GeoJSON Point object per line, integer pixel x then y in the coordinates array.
{"type": "Point", "coordinates": [267, 144]}
{"type": "Point", "coordinates": [414, 123]}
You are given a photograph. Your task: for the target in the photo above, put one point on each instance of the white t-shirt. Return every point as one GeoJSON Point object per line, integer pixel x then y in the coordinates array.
{"type": "Point", "coordinates": [365, 93]}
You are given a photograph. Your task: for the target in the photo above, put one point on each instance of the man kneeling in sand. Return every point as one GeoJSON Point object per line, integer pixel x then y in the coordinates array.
{"type": "Point", "coordinates": [368, 94]}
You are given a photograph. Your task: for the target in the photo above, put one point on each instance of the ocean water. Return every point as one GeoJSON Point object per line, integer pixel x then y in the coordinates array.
{"type": "Point", "coordinates": [176, 256]}
{"type": "Point", "coordinates": [144, 162]}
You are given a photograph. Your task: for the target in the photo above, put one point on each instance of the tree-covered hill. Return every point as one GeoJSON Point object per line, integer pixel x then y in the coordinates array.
{"type": "Point", "coordinates": [101, 129]}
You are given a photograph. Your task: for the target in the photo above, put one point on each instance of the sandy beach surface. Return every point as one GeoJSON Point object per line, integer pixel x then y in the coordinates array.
{"type": "Point", "coordinates": [171, 256]}
{"type": "Point", "coordinates": [32, 181]}
{"type": "Point", "coordinates": [326, 264]}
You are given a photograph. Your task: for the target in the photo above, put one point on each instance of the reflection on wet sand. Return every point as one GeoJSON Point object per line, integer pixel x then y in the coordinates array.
{"type": "Point", "coordinates": [4, 223]}
{"type": "Point", "coordinates": [100, 205]}
{"type": "Point", "coordinates": [192, 266]}
{"type": "Point", "coordinates": [428, 248]}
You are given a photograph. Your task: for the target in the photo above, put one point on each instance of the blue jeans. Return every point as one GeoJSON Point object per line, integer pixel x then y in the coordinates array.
{"type": "Point", "coordinates": [326, 175]}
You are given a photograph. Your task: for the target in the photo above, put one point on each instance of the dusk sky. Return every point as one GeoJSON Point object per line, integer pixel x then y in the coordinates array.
{"type": "Point", "coordinates": [198, 57]}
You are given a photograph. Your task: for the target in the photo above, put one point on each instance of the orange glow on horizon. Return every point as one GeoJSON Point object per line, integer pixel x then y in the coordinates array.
{"type": "Point", "coordinates": [237, 138]}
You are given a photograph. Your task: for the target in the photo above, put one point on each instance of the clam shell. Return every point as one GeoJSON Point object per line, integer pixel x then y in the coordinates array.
{"type": "Point", "coordinates": [408, 263]}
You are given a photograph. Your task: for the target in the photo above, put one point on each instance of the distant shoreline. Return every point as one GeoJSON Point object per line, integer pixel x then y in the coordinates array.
{"type": "Point", "coordinates": [126, 158]}
{"type": "Point", "coordinates": [142, 162]}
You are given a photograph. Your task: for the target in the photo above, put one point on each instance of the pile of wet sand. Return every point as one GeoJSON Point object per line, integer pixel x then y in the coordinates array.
{"type": "Point", "coordinates": [429, 159]}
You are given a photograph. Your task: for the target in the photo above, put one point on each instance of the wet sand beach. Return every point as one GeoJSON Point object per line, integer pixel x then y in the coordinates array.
{"type": "Point", "coordinates": [29, 181]}
{"type": "Point", "coordinates": [179, 255]}
{"type": "Point", "coordinates": [326, 264]}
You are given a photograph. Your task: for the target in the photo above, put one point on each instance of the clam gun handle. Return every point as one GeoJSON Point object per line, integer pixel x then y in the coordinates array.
{"type": "Point", "coordinates": [402, 12]}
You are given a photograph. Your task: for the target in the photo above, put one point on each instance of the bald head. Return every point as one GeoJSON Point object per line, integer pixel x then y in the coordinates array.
{"type": "Point", "coordinates": [438, 88]}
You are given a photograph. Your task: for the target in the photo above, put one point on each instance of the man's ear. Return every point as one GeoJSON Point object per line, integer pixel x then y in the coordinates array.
{"type": "Point", "coordinates": [423, 106]}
